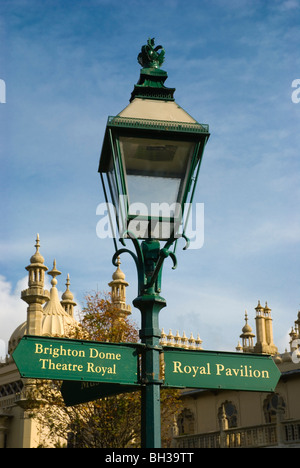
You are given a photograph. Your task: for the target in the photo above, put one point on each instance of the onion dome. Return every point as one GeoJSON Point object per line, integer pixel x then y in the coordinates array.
{"type": "Point", "coordinates": [118, 274]}
{"type": "Point", "coordinates": [37, 257]}
{"type": "Point", "coordinates": [67, 297]}
{"type": "Point", "coordinates": [118, 291]}
{"type": "Point", "coordinates": [247, 330]}
{"type": "Point", "coordinates": [16, 337]}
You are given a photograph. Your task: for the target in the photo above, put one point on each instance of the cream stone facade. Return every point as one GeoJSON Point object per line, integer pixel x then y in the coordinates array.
{"type": "Point", "coordinates": [229, 419]}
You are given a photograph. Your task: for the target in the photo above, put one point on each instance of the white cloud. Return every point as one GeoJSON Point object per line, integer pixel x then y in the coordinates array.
{"type": "Point", "coordinates": [2, 350]}
{"type": "Point", "coordinates": [289, 5]}
{"type": "Point", "coordinates": [12, 310]}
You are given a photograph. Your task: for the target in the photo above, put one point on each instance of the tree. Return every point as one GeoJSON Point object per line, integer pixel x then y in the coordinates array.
{"type": "Point", "coordinates": [102, 321]}
{"type": "Point", "coordinates": [110, 422]}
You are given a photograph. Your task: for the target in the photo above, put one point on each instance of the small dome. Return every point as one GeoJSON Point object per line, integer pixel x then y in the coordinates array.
{"type": "Point", "coordinates": [277, 359]}
{"type": "Point", "coordinates": [67, 295]}
{"type": "Point", "coordinates": [16, 337]}
{"type": "Point", "coordinates": [246, 330]}
{"type": "Point", "coordinates": [37, 257]}
{"type": "Point", "coordinates": [118, 274]}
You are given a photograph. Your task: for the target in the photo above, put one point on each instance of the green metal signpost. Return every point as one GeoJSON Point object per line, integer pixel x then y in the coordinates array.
{"type": "Point", "coordinates": [85, 361]}
{"type": "Point", "coordinates": [219, 370]}
{"type": "Point", "coordinates": [92, 370]}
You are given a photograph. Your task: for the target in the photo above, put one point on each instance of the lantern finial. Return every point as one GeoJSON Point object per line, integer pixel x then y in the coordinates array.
{"type": "Point", "coordinates": [152, 78]}
{"type": "Point", "coordinates": [149, 56]}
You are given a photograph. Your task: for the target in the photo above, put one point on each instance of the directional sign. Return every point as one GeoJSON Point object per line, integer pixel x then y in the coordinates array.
{"type": "Point", "coordinates": [66, 359]}
{"type": "Point", "coordinates": [75, 393]}
{"type": "Point", "coordinates": [211, 369]}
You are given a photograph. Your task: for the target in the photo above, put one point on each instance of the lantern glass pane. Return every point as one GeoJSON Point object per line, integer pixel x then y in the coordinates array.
{"type": "Point", "coordinates": [156, 173]}
{"type": "Point", "coordinates": [119, 199]}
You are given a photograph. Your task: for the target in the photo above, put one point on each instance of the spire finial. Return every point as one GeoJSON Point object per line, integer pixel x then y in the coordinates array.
{"type": "Point", "coordinates": [37, 245]}
{"type": "Point", "coordinates": [54, 272]}
{"type": "Point", "coordinates": [152, 77]}
{"type": "Point", "coordinates": [149, 56]}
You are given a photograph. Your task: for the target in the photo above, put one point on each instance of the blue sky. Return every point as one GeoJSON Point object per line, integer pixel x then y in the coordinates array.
{"type": "Point", "coordinates": [68, 65]}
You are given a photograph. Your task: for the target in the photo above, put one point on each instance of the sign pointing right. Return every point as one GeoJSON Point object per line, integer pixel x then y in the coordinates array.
{"type": "Point", "coordinates": [224, 370]}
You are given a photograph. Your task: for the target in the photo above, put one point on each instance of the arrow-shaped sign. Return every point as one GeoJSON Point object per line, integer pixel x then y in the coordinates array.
{"type": "Point", "coordinates": [65, 359]}
{"type": "Point", "coordinates": [212, 369]}
{"type": "Point", "coordinates": [101, 369]}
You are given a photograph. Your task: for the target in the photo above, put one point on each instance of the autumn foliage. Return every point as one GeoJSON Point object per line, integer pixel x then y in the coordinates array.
{"type": "Point", "coordinates": [112, 421]}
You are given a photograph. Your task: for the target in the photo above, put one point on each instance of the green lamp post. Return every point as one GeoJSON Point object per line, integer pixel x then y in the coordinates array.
{"type": "Point", "coordinates": [149, 166]}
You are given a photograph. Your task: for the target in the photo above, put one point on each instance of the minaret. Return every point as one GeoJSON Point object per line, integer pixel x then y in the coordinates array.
{"type": "Point", "coordinates": [247, 336]}
{"type": "Point", "coordinates": [272, 349]}
{"type": "Point", "coordinates": [297, 324]}
{"type": "Point", "coordinates": [295, 334]}
{"type": "Point", "coordinates": [261, 342]}
{"type": "Point", "coordinates": [118, 291]}
{"type": "Point", "coordinates": [239, 348]}
{"type": "Point", "coordinates": [264, 331]}
{"type": "Point", "coordinates": [35, 295]}
{"type": "Point", "coordinates": [67, 301]}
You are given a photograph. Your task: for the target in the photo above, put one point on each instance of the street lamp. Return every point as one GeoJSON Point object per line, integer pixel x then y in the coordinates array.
{"type": "Point", "coordinates": [149, 165]}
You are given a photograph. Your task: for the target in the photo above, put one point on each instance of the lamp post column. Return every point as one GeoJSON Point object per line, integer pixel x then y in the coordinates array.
{"type": "Point", "coordinates": [149, 302]}
{"type": "Point", "coordinates": [151, 162]}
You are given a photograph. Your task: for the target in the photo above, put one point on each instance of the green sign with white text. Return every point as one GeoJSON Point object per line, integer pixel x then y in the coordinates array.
{"type": "Point", "coordinates": [219, 370]}
{"type": "Point", "coordinates": [67, 359]}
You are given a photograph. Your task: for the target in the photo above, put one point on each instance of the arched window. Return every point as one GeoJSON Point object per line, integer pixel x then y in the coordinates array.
{"type": "Point", "coordinates": [273, 404]}
{"type": "Point", "coordinates": [228, 410]}
{"type": "Point", "coordinates": [186, 422]}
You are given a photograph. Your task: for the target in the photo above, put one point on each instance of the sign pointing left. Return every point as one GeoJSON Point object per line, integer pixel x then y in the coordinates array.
{"type": "Point", "coordinates": [66, 359]}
